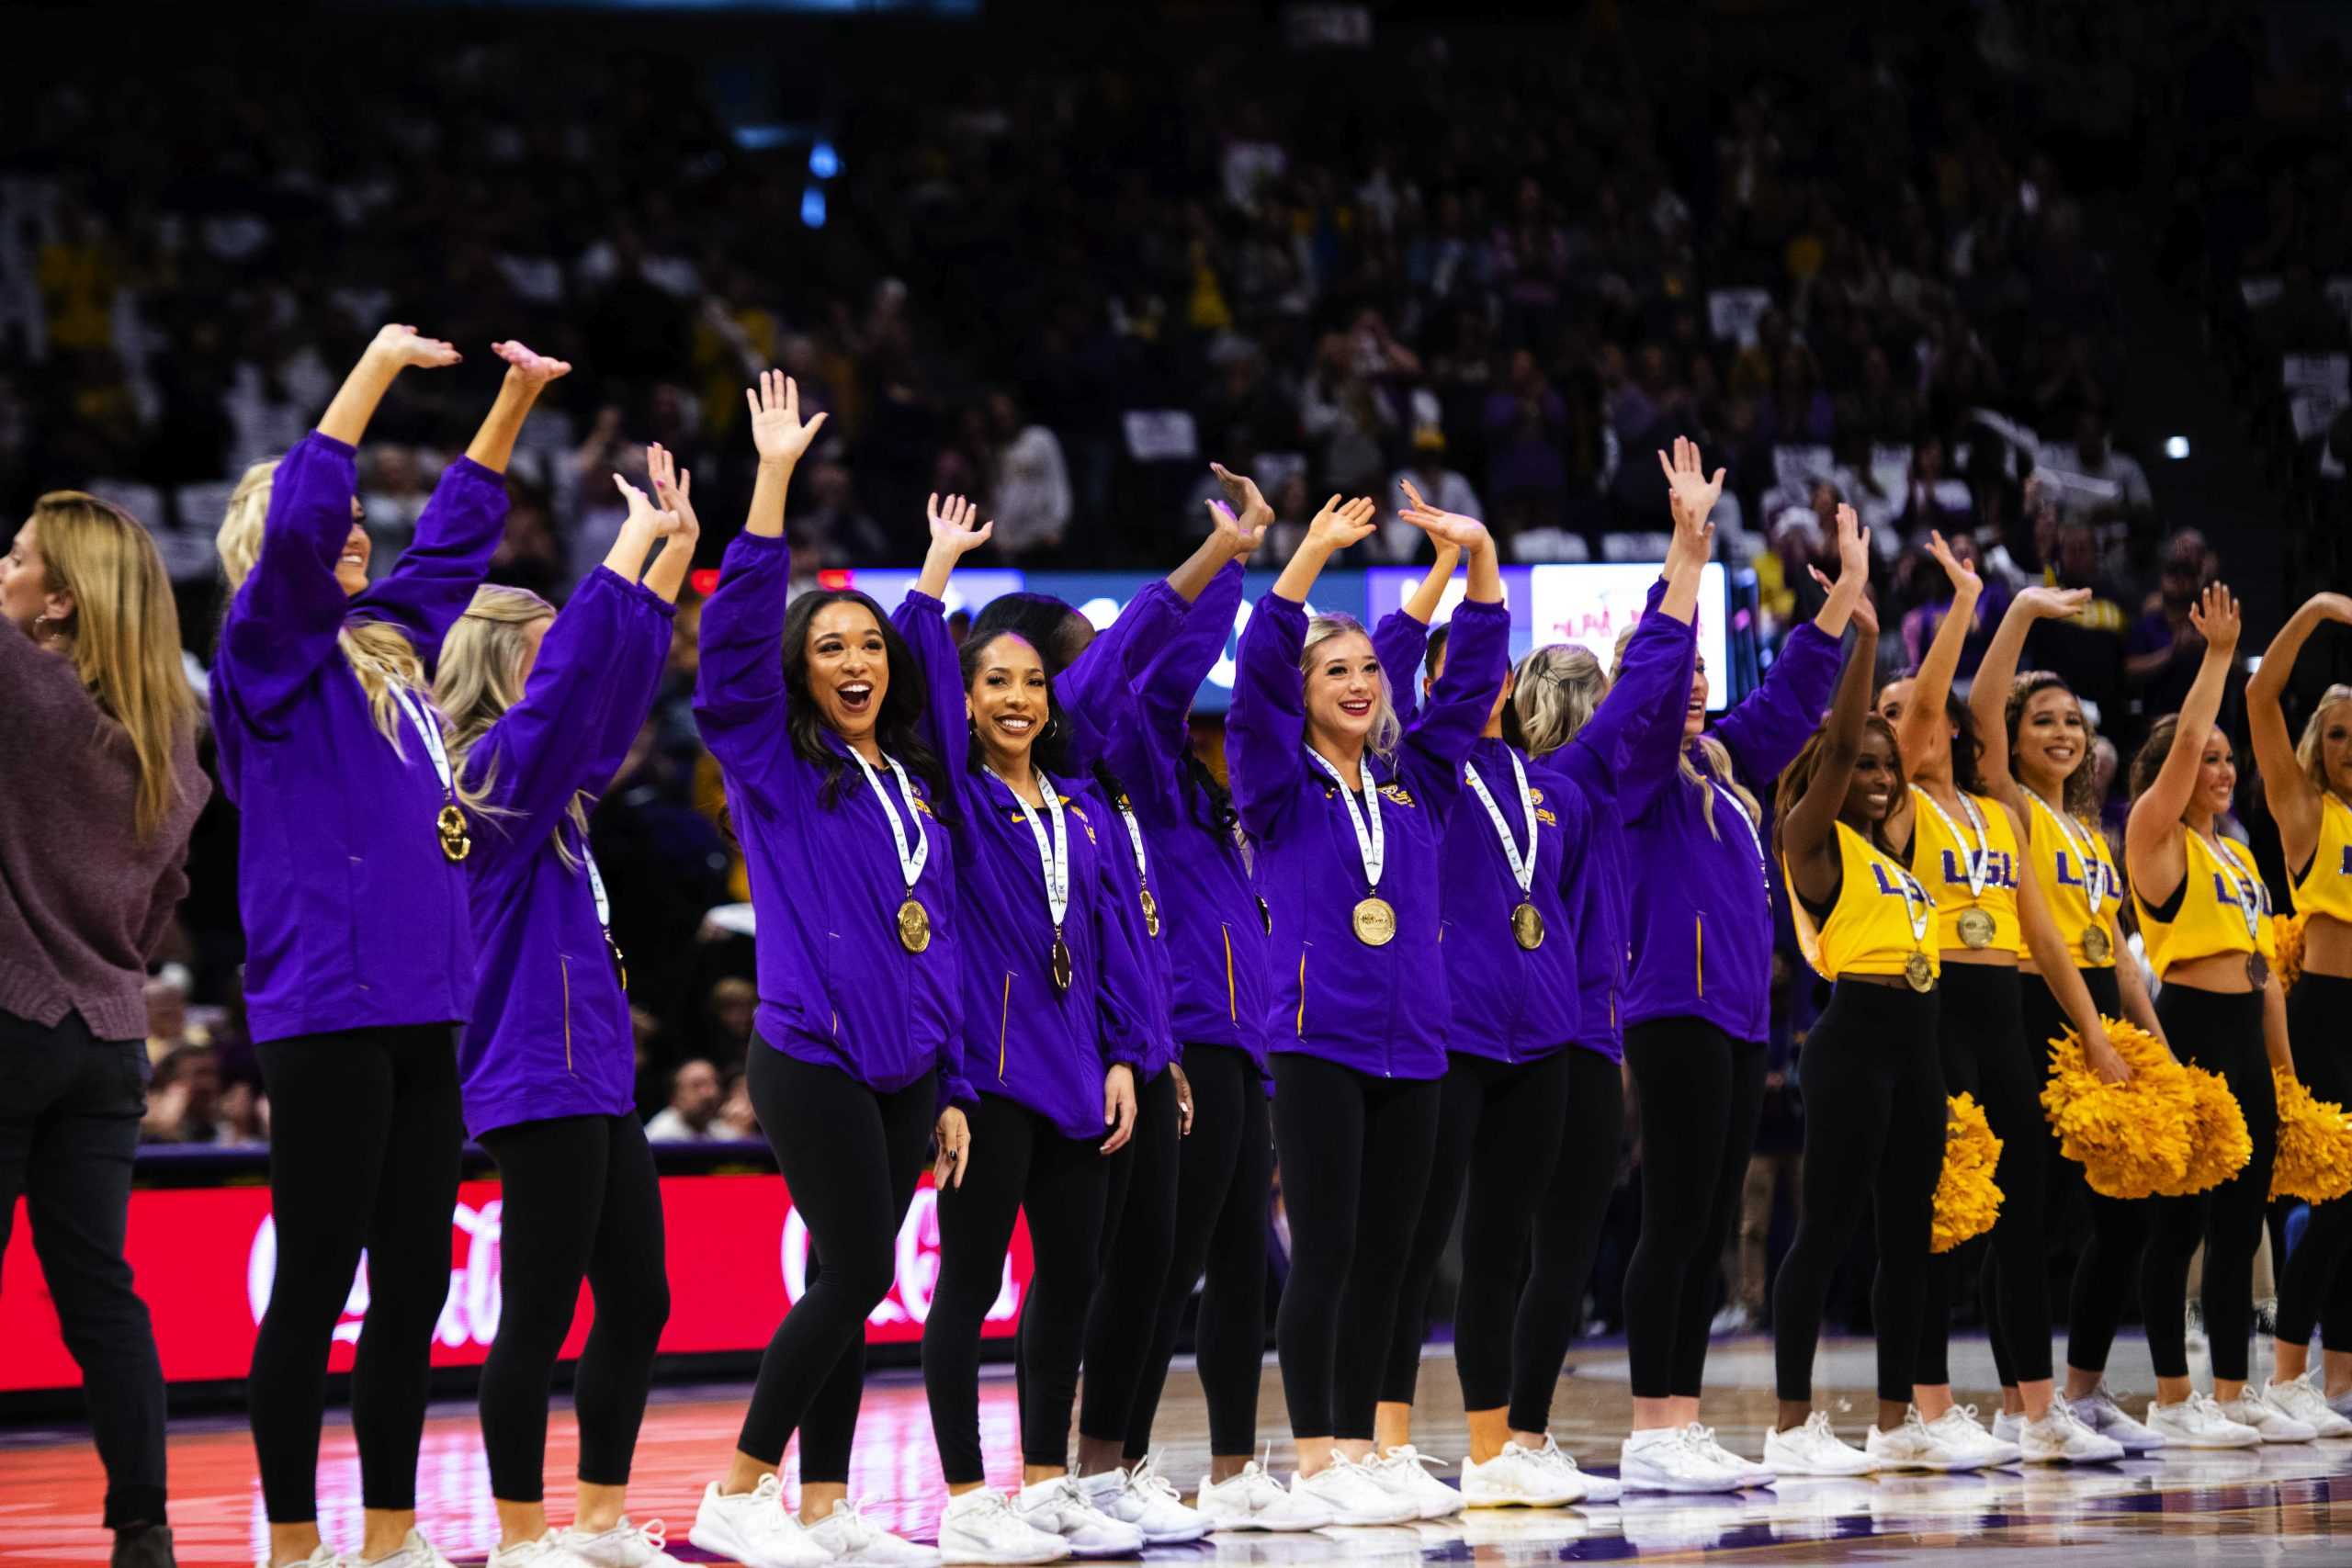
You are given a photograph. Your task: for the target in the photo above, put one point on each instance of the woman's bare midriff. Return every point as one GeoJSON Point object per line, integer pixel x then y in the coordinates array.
{"type": "Point", "coordinates": [2223, 972]}
{"type": "Point", "coordinates": [2327, 947]}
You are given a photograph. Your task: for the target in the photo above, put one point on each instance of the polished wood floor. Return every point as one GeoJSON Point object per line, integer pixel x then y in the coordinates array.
{"type": "Point", "coordinates": [2278, 1505]}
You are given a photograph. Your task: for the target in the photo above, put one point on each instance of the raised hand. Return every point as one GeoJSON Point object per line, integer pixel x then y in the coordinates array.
{"type": "Point", "coordinates": [1853, 544]}
{"type": "Point", "coordinates": [776, 431]}
{"type": "Point", "coordinates": [538, 369]}
{"type": "Point", "coordinates": [1964, 576]}
{"type": "Point", "coordinates": [1865, 609]}
{"type": "Point", "coordinates": [404, 348]}
{"type": "Point", "coordinates": [951, 525]}
{"type": "Point", "coordinates": [675, 488]}
{"type": "Point", "coordinates": [2053, 604]}
{"type": "Point", "coordinates": [655, 520]}
{"type": "Point", "coordinates": [1339, 524]}
{"type": "Point", "coordinates": [2334, 606]}
{"type": "Point", "coordinates": [1242, 497]}
{"type": "Point", "coordinates": [1239, 537]}
{"type": "Point", "coordinates": [1444, 528]}
{"type": "Point", "coordinates": [1690, 495]}
{"type": "Point", "coordinates": [2216, 619]}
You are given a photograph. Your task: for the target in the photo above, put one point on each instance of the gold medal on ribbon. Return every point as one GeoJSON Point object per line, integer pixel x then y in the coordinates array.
{"type": "Point", "coordinates": [620, 965]}
{"type": "Point", "coordinates": [1527, 927]}
{"type": "Point", "coordinates": [1150, 913]}
{"type": "Point", "coordinates": [1975, 928]}
{"type": "Point", "coordinates": [2257, 971]}
{"type": "Point", "coordinates": [1375, 922]}
{"type": "Point", "coordinates": [914, 925]}
{"type": "Point", "coordinates": [1918, 972]}
{"type": "Point", "coordinates": [1062, 967]}
{"type": "Point", "coordinates": [2096, 947]}
{"type": "Point", "coordinates": [451, 825]}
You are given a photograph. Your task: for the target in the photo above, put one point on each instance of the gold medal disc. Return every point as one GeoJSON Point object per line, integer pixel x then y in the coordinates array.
{"type": "Point", "coordinates": [1375, 922]}
{"type": "Point", "coordinates": [2257, 971]}
{"type": "Point", "coordinates": [1062, 968]}
{"type": "Point", "coordinates": [1975, 928]}
{"type": "Point", "coordinates": [1918, 972]}
{"type": "Point", "coordinates": [451, 825]}
{"type": "Point", "coordinates": [1527, 927]}
{"type": "Point", "coordinates": [2096, 947]}
{"type": "Point", "coordinates": [1150, 913]}
{"type": "Point", "coordinates": [914, 926]}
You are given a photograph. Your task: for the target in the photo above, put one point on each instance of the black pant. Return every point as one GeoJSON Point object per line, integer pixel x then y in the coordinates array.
{"type": "Point", "coordinates": [70, 1105]}
{"type": "Point", "coordinates": [1138, 1231]}
{"type": "Point", "coordinates": [1568, 1221]}
{"type": "Point", "coordinates": [851, 1159]}
{"type": "Point", "coordinates": [1499, 1133]}
{"type": "Point", "coordinates": [1980, 1034]}
{"type": "Point", "coordinates": [2222, 1033]}
{"type": "Point", "coordinates": [1355, 1153]}
{"type": "Point", "coordinates": [1019, 1162]}
{"type": "Point", "coordinates": [364, 1130]}
{"type": "Point", "coordinates": [1700, 1094]}
{"type": "Point", "coordinates": [1224, 1181]}
{"type": "Point", "coordinates": [579, 1200]}
{"type": "Point", "coordinates": [2315, 1283]}
{"type": "Point", "coordinates": [1873, 1138]}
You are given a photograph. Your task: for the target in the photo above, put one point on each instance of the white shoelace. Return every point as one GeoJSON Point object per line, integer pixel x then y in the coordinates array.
{"type": "Point", "coordinates": [652, 1535]}
{"type": "Point", "coordinates": [1817, 1425]}
{"type": "Point", "coordinates": [770, 1518]}
{"type": "Point", "coordinates": [1405, 1455]}
{"type": "Point", "coordinates": [857, 1529]}
{"type": "Point", "coordinates": [994, 1508]}
{"type": "Point", "coordinates": [1146, 1481]}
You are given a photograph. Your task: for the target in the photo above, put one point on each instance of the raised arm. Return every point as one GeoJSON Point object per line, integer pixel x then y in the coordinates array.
{"type": "Point", "coordinates": [921, 619]}
{"type": "Point", "coordinates": [1768, 728]}
{"type": "Point", "coordinates": [1988, 699]}
{"type": "Point", "coordinates": [781, 440]}
{"type": "Point", "coordinates": [1476, 656]}
{"type": "Point", "coordinates": [527, 375]}
{"type": "Point", "coordinates": [1690, 496]}
{"type": "Point", "coordinates": [675, 488]}
{"type": "Point", "coordinates": [1808, 828]}
{"type": "Point", "coordinates": [2154, 857]}
{"type": "Point", "coordinates": [394, 349]}
{"type": "Point", "coordinates": [2294, 799]}
{"type": "Point", "coordinates": [1923, 723]}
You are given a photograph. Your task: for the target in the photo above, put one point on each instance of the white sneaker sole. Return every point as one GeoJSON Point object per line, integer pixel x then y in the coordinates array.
{"type": "Point", "coordinates": [1935, 1466]}
{"type": "Point", "coordinates": [2215, 1445]}
{"type": "Point", "coordinates": [722, 1542]}
{"type": "Point", "coordinates": [1636, 1477]}
{"type": "Point", "coordinates": [1178, 1537]}
{"type": "Point", "coordinates": [1547, 1500]}
{"type": "Point", "coordinates": [1243, 1522]}
{"type": "Point", "coordinates": [952, 1553]}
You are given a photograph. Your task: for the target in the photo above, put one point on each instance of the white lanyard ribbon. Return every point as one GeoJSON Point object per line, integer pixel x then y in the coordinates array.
{"type": "Point", "coordinates": [2250, 889]}
{"type": "Point", "coordinates": [911, 862]}
{"type": "Point", "coordinates": [2094, 878]}
{"type": "Point", "coordinates": [1979, 858]}
{"type": "Point", "coordinates": [597, 886]}
{"type": "Point", "coordinates": [428, 731]}
{"type": "Point", "coordinates": [1371, 842]}
{"type": "Point", "coordinates": [1747, 822]}
{"type": "Point", "coordinates": [1916, 913]}
{"type": "Point", "coordinates": [1134, 838]}
{"type": "Point", "coordinates": [1522, 867]}
{"type": "Point", "coordinates": [1052, 856]}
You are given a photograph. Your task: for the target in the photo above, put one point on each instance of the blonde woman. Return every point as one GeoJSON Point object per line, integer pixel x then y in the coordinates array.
{"type": "Point", "coordinates": [542, 708]}
{"type": "Point", "coordinates": [359, 954]}
{"type": "Point", "coordinates": [98, 765]}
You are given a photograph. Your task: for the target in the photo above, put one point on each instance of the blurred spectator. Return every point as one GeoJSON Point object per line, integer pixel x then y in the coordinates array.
{"type": "Point", "coordinates": [2163, 650]}
{"type": "Point", "coordinates": [1028, 481]}
{"type": "Point", "coordinates": [2098, 483]}
{"type": "Point", "coordinates": [693, 1108]}
{"type": "Point", "coordinates": [729, 1010]}
{"type": "Point", "coordinates": [167, 1020]}
{"type": "Point", "coordinates": [737, 1120]}
{"type": "Point", "coordinates": [183, 1098]}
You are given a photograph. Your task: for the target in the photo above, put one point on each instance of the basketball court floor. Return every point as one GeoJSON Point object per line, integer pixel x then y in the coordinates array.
{"type": "Point", "coordinates": [2281, 1505]}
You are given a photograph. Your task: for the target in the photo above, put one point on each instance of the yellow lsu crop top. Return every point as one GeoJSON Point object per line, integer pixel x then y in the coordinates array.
{"type": "Point", "coordinates": [1944, 848]}
{"type": "Point", "coordinates": [2221, 906]}
{"type": "Point", "coordinates": [2079, 882]}
{"type": "Point", "coordinates": [1882, 917]}
{"type": "Point", "coordinates": [2326, 887]}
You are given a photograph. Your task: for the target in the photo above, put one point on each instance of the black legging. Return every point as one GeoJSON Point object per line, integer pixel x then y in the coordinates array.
{"type": "Point", "coordinates": [1355, 1163]}
{"type": "Point", "coordinates": [580, 1199]}
{"type": "Point", "coordinates": [1224, 1180]}
{"type": "Point", "coordinates": [1701, 1093]}
{"type": "Point", "coordinates": [1499, 1125]}
{"type": "Point", "coordinates": [364, 1130]}
{"type": "Point", "coordinates": [1019, 1161]}
{"type": "Point", "coordinates": [1874, 1137]}
{"type": "Point", "coordinates": [1138, 1229]}
{"type": "Point", "coordinates": [2222, 1033]}
{"type": "Point", "coordinates": [2106, 1274]}
{"type": "Point", "coordinates": [2316, 1283]}
{"type": "Point", "coordinates": [1568, 1221]}
{"type": "Point", "coordinates": [851, 1159]}
{"type": "Point", "coordinates": [1980, 1035]}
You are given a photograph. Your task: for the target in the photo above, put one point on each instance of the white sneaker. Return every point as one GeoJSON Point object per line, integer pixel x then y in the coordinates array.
{"type": "Point", "coordinates": [981, 1527]}
{"type": "Point", "coordinates": [2098, 1411]}
{"type": "Point", "coordinates": [1667, 1458]}
{"type": "Point", "coordinates": [2299, 1400]}
{"type": "Point", "coordinates": [2275, 1425]}
{"type": "Point", "coordinates": [1405, 1470]}
{"type": "Point", "coordinates": [2197, 1422]}
{"type": "Point", "coordinates": [322, 1556]}
{"type": "Point", "coordinates": [413, 1552]}
{"type": "Point", "coordinates": [1814, 1449]}
{"type": "Point", "coordinates": [848, 1537]}
{"type": "Point", "coordinates": [754, 1527]}
{"type": "Point", "coordinates": [1914, 1445]}
{"type": "Point", "coordinates": [1141, 1496]}
{"type": "Point", "coordinates": [1750, 1472]}
{"type": "Point", "coordinates": [1958, 1428]}
{"type": "Point", "coordinates": [1521, 1478]}
{"type": "Point", "coordinates": [540, 1553]}
{"type": "Point", "coordinates": [1058, 1507]}
{"type": "Point", "coordinates": [1256, 1501]}
{"type": "Point", "coordinates": [1351, 1493]}
{"type": "Point", "coordinates": [2059, 1438]}
{"type": "Point", "coordinates": [625, 1545]}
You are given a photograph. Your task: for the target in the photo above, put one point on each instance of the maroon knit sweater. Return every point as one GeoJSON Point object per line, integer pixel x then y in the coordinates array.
{"type": "Point", "coordinates": [83, 900]}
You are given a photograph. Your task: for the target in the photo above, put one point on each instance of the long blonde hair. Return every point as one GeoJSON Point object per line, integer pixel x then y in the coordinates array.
{"type": "Point", "coordinates": [125, 633]}
{"type": "Point", "coordinates": [379, 654]}
{"type": "Point", "coordinates": [2307, 750]}
{"type": "Point", "coordinates": [1719, 773]}
{"type": "Point", "coordinates": [1386, 729]}
{"type": "Point", "coordinates": [480, 676]}
{"type": "Point", "coordinates": [1554, 693]}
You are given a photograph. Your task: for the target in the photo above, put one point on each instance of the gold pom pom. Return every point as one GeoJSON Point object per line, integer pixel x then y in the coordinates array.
{"type": "Point", "coordinates": [2289, 929]}
{"type": "Point", "coordinates": [2314, 1161]}
{"type": "Point", "coordinates": [2133, 1139]}
{"type": "Point", "coordinates": [1967, 1200]}
{"type": "Point", "coordinates": [2218, 1142]}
